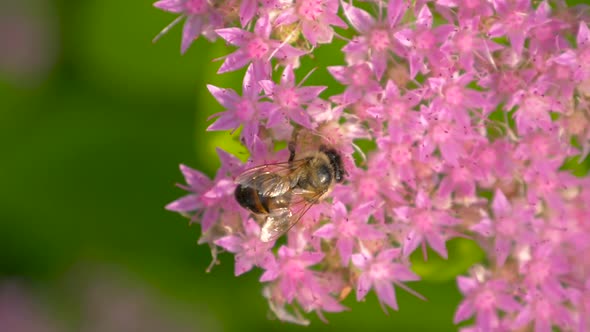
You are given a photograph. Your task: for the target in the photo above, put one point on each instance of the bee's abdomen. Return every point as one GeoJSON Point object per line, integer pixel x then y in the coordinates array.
{"type": "Point", "coordinates": [251, 199]}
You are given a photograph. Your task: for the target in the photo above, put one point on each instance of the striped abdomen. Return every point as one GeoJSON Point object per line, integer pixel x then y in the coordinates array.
{"type": "Point", "coordinates": [252, 200]}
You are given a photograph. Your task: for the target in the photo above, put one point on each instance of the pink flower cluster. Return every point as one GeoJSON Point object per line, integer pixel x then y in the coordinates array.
{"type": "Point", "coordinates": [474, 107]}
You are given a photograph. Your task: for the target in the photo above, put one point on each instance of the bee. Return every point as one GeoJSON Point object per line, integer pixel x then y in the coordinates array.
{"type": "Point", "coordinates": [282, 193]}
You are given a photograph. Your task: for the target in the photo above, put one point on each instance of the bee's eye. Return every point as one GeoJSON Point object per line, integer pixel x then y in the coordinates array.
{"type": "Point", "coordinates": [339, 176]}
{"type": "Point", "coordinates": [324, 175]}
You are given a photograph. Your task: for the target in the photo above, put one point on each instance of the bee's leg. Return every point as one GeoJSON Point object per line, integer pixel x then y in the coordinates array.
{"type": "Point", "coordinates": [292, 144]}
{"type": "Point", "coordinates": [291, 151]}
{"type": "Point", "coordinates": [295, 133]}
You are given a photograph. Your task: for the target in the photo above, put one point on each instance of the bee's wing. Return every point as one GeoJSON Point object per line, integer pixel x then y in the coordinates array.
{"type": "Point", "coordinates": [271, 180]}
{"type": "Point", "coordinates": [280, 221]}
{"type": "Point", "coordinates": [276, 223]}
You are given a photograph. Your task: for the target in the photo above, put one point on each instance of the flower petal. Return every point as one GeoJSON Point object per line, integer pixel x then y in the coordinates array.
{"type": "Point", "coordinates": [466, 285]}
{"type": "Point", "coordinates": [235, 36]}
{"type": "Point", "coordinates": [339, 73]}
{"type": "Point", "coordinates": [465, 310]}
{"type": "Point", "coordinates": [502, 249]}
{"type": "Point", "coordinates": [524, 316]}
{"type": "Point", "coordinates": [327, 231]}
{"type": "Point", "coordinates": [242, 265]}
{"type": "Point", "coordinates": [483, 228]}
{"type": "Point", "coordinates": [268, 86]}
{"type": "Point", "coordinates": [226, 121]}
{"type": "Point", "coordinates": [247, 10]}
{"type": "Point", "coordinates": [226, 97]}
{"type": "Point", "coordinates": [583, 36]}
{"type": "Point", "coordinates": [234, 61]}
{"type": "Point", "coordinates": [386, 293]}
{"type": "Point", "coordinates": [388, 254]}
{"type": "Point", "coordinates": [424, 17]}
{"type": "Point", "coordinates": [309, 93]}
{"type": "Point", "coordinates": [345, 246]}
{"type": "Point", "coordinates": [298, 115]}
{"type": "Point", "coordinates": [311, 258]}
{"type": "Point", "coordinates": [363, 286]}
{"type": "Point", "coordinates": [359, 19]}
{"type": "Point", "coordinates": [185, 204]}
{"type": "Point", "coordinates": [269, 275]}
{"type": "Point", "coordinates": [230, 243]}
{"type": "Point", "coordinates": [173, 6]}
{"type": "Point", "coordinates": [194, 178]}
{"type": "Point", "coordinates": [437, 243]}
{"type": "Point", "coordinates": [395, 11]}
{"type": "Point", "coordinates": [507, 303]}
{"type": "Point", "coordinates": [411, 242]}
{"type": "Point", "coordinates": [191, 31]}
{"type": "Point", "coordinates": [250, 88]}
{"type": "Point", "coordinates": [359, 260]}
{"type": "Point", "coordinates": [403, 273]}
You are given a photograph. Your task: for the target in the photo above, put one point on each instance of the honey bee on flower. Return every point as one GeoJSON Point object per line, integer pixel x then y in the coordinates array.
{"type": "Point", "coordinates": [438, 122]}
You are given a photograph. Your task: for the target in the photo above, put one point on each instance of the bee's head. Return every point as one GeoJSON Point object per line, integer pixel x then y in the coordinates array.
{"type": "Point", "coordinates": [335, 162]}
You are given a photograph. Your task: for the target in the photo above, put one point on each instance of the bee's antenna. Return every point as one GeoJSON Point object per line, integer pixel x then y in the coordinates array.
{"type": "Point", "coordinates": [325, 138]}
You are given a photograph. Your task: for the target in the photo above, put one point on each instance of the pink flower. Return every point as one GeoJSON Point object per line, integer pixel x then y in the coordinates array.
{"type": "Point", "coordinates": [240, 110]}
{"type": "Point", "coordinates": [316, 18]}
{"type": "Point", "coordinates": [397, 109]}
{"type": "Point", "coordinates": [295, 281]}
{"type": "Point", "coordinates": [453, 99]}
{"type": "Point", "coordinates": [262, 152]}
{"type": "Point", "coordinates": [359, 79]}
{"type": "Point", "coordinates": [376, 40]}
{"type": "Point", "coordinates": [381, 273]}
{"type": "Point", "coordinates": [289, 100]}
{"type": "Point", "coordinates": [201, 18]}
{"type": "Point", "coordinates": [546, 36]}
{"type": "Point", "coordinates": [423, 42]}
{"type": "Point", "coordinates": [502, 84]}
{"type": "Point", "coordinates": [256, 48]}
{"type": "Point", "coordinates": [494, 161]}
{"type": "Point", "coordinates": [544, 313]}
{"type": "Point", "coordinates": [578, 59]}
{"type": "Point", "coordinates": [534, 107]}
{"type": "Point", "coordinates": [446, 135]}
{"type": "Point", "coordinates": [509, 227]}
{"type": "Point", "coordinates": [468, 8]}
{"type": "Point", "coordinates": [514, 22]}
{"type": "Point", "coordinates": [484, 299]}
{"type": "Point", "coordinates": [397, 150]}
{"type": "Point", "coordinates": [209, 197]}
{"type": "Point", "coordinates": [452, 118]}
{"type": "Point", "coordinates": [373, 185]}
{"type": "Point", "coordinates": [424, 224]}
{"type": "Point", "coordinates": [547, 183]}
{"type": "Point", "coordinates": [544, 272]}
{"type": "Point", "coordinates": [247, 247]}
{"type": "Point", "coordinates": [291, 270]}
{"type": "Point", "coordinates": [461, 180]}
{"type": "Point", "coordinates": [468, 44]}
{"type": "Point", "coordinates": [581, 298]}
{"type": "Point", "coordinates": [348, 228]}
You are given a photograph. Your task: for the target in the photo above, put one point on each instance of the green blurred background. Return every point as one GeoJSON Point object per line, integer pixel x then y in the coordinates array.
{"type": "Point", "coordinates": [94, 120]}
